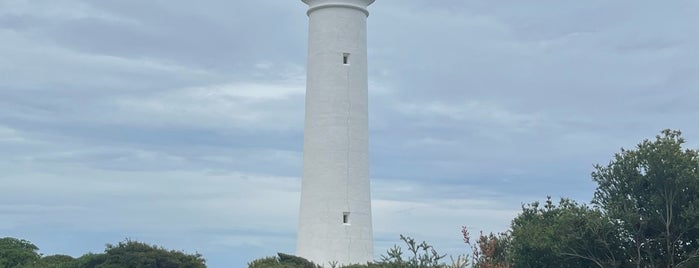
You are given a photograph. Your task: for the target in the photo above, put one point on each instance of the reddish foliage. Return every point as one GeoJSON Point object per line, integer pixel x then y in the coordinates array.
{"type": "Point", "coordinates": [486, 251]}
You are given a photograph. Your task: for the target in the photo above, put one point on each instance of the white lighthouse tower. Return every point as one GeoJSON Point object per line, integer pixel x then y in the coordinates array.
{"type": "Point", "coordinates": [335, 214]}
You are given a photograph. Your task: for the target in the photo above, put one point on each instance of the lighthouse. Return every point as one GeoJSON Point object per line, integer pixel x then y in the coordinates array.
{"type": "Point", "coordinates": [335, 213]}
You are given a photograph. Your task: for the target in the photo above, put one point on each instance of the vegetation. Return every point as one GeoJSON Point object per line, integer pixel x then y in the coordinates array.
{"type": "Point", "coordinates": [645, 213]}
{"type": "Point", "coordinates": [564, 235]}
{"type": "Point", "coordinates": [420, 255]}
{"type": "Point", "coordinates": [652, 192]}
{"type": "Point", "coordinates": [283, 261]}
{"type": "Point", "coordinates": [16, 253]}
{"type": "Point", "coordinates": [489, 251]}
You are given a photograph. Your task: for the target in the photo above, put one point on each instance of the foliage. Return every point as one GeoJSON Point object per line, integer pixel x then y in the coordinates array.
{"type": "Point", "coordinates": [131, 253]}
{"type": "Point", "coordinates": [90, 260]}
{"type": "Point", "coordinates": [422, 255]}
{"type": "Point", "coordinates": [52, 261]}
{"type": "Point", "coordinates": [489, 251]}
{"type": "Point", "coordinates": [282, 261]}
{"type": "Point", "coordinates": [645, 213]}
{"type": "Point", "coordinates": [300, 262]}
{"type": "Point", "coordinates": [15, 252]}
{"type": "Point", "coordinates": [267, 262]}
{"type": "Point", "coordinates": [563, 235]}
{"type": "Point", "coordinates": [652, 194]}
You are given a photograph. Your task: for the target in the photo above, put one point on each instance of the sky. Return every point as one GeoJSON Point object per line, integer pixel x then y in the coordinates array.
{"type": "Point", "coordinates": [180, 123]}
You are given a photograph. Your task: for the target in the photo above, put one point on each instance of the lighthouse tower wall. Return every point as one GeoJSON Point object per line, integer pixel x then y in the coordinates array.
{"type": "Point", "coordinates": [335, 214]}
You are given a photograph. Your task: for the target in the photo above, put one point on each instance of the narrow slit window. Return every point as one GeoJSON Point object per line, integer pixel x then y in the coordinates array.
{"type": "Point", "coordinates": [345, 218]}
{"type": "Point", "coordinates": [345, 58]}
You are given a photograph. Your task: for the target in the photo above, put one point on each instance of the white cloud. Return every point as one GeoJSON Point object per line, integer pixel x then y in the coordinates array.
{"type": "Point", "coordinates": [140, 201]}
{"type": "Point", "coordinates": [65, 10]}
{"type": "Point", "coordinates": [10, 135]}
{"type": "Point", "coordinates": [471, 112]}
{"type": "Point", "coordinates": [244, 105]}
{"type": "Point", "coordinates": [35, 64]}
{"type": "Point", "coordinates": [435, 213]}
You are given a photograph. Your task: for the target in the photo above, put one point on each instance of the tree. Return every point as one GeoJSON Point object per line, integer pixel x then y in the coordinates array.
{"type": "Point", "coordinates": [15, 252]}
{"type": "Point", "coordinates": [283, 261]}
{"type": "Point", "coordinates": [652, 193]}
{"type": "Point", "coordinates": [18, 253]}
{"type": "Point", "coordinates": [137, 254]}
{"type": "Point", "coordinates": [90, 260]}
{"type": "Point", "coordinates": [564, 235]}
{"type": "Point", "coordinates": [53, 261]}
{"type": "Point", "coordinates": [489, 251]}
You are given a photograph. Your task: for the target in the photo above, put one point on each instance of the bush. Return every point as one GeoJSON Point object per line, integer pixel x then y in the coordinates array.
{"type": "Point", "coordinates": [283, 261]}
{"type": "Point", "coordinates": [422, 255]}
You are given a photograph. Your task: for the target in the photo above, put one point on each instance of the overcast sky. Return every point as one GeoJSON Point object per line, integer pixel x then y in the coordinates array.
{"type": "Point", "coordinates": [180, 123]}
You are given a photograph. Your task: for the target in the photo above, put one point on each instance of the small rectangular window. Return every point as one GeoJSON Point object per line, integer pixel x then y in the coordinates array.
{"type": "Point", "coordinates": [345, 58]}
{"type": "Point", "coordinates": [345, 218]}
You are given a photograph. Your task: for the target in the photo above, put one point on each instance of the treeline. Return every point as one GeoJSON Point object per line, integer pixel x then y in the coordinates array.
{"type": "Point", "coordinates": [19, 253]}
{"type": "Point", "coordinates": [644, 213]}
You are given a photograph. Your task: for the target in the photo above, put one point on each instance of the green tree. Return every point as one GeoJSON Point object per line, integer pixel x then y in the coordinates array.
{"type": "Point", "coordinates": [52, 261]}
{"type": "Point", "coordinates": [15, 252]}
{"type": "Point", "coordinates": [564, 235]}
{"type": "Point", "coordinates": [137, 254]}
{"type": "Point", "coordinates": [90, 260]}
{"type": "Point", "coordinates": [652, 193]}
{"type": "Point", "coordinates": [283, 261]}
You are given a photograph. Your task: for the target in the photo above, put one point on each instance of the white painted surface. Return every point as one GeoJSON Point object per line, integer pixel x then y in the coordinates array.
{"type": "Point", "coordinates": [335, 179]}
